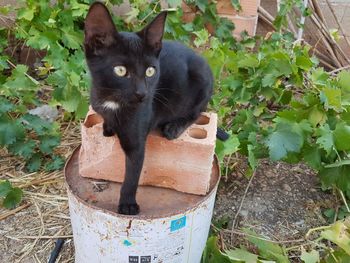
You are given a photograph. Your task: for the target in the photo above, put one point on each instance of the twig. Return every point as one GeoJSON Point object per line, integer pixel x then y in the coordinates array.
{"type": "Point", "coordinates": [344, 200]}
{"type": "Point", "coordinates": [241, 233]}
{"type": "Point", "coordinates": [318, 10]}
{"type": "Point", "coordinates": [241, 204]}
{"type": "Point", "coordinates": [14, 211]}
{"type": "Point", "coordinates": [339, 69]}
{"type": "Point", "coordinates": [28, 76]}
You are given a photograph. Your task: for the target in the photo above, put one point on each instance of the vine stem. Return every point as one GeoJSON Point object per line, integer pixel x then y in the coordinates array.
{"type": "Point", "coordinates": [315, 229]}
{"type": "Point", "coordinates": [28, 76]}
{"type": "Point", "coordinates": [344, 200]}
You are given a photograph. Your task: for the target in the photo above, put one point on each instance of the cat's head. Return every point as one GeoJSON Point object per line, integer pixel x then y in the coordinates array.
{"type": "Point", "coordinates": [124, 66]}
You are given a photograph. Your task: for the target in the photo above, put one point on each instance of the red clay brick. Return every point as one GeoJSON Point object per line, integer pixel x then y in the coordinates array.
{"type": "Point", "coordinates": [183, 164]}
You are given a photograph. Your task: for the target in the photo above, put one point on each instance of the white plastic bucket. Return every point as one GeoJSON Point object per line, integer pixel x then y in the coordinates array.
{"type": "Point", "coordinates": [171, 228]}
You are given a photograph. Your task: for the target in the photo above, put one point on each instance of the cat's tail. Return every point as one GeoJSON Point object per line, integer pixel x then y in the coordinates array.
{"type": "Point", "coordinates": [222, 135]}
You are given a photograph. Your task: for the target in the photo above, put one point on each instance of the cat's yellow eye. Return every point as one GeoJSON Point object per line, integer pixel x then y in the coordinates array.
{"type": "Point", "coordinates": [120, 71]}
{"type": "Point", "coordinates": [150, 71]}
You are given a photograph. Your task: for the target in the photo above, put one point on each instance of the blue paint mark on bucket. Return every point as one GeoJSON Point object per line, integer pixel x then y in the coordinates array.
{"type": "Point", "coordinates": [178, 224]}
{"type": "Point", "coordinates": [127, 243]}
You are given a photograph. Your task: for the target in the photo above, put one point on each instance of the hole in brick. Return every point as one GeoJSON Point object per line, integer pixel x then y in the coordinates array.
{"type": "Point", "coordinates": [202, 120]}
{"type": "Point", "coordinates": [197, 133]}
{"type": "Point", "coordinates": [92, 120]}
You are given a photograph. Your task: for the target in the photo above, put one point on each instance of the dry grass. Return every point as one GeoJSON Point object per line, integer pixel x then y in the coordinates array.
{"type": "Point", "coordinates": [28, 233]}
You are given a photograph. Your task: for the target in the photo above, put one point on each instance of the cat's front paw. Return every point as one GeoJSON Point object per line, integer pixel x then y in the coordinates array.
{"type": "Point", "coordinates": [128, 209]}
{"type": "Point", "coordinates": [172, 130]}
{"type": "Point", "coordinates": [107, 132]}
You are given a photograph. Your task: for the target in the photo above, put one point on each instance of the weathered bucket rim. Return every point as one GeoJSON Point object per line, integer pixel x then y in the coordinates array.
{"type": "Point", "coordinates": [141, 217]}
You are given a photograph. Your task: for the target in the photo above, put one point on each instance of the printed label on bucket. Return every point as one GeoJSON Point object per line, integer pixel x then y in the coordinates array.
{"type": "Point", "coordinates": [177, 224]}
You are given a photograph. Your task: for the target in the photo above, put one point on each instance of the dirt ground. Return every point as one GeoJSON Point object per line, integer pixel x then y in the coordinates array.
{"type": "Point", "coordinates": [281, 202]}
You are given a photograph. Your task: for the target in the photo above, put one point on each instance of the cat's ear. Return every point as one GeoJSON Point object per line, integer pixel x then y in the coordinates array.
{"type": "Point", "coordinates": [99, 28]}
{"type": "Point", "coordinates": [152, 34]}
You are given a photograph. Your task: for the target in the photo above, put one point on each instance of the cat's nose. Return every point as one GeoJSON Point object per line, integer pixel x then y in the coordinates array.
{"type": "Point", "coordinates": [140, 96]}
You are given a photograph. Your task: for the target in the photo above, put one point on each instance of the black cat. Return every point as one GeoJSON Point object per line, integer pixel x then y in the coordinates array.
{"type": "Point", "coordinates": [141, 83]}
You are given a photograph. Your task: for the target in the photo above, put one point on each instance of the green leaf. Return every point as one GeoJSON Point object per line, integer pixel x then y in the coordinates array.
{"type": "Point", "coordinates": [72, 39]}
{"type": "Point", "coordinates": [319, 77]}
{"type": "Point", "coordinates": [202, 4]}
{"type": "Point", "coordinates": [23, 148]}
{"type": "Point", "coordinates": [227, 147]}
{"type": "Point", "coordinates": [236, 5]}
{"type": "Point", "coordinates": [338, 176]}
{"type": "Point", "coordinates": [5, 105]}
{"type": "Point", "coordinates": [26, 13]}
{"type": "Point", "coordinates": [174, 3]}
{"type": "Point", "coordinates": [338, 256]}
{"type": "Point", "coordinates": [267, 249]}
{"type": "Point", "coordinates": [10, 131]}
{"type": "Point", "coordinates": [48, 143]}
{"type": "Point", "coordinates": [5, 188]}
{"type": "Point", "coordinates": [310, 257]}
{"type": "Point", "coordinates": [243, 255]}
{"type": "Point", "coordinates": [331, 98]}
{"type": "Point", "coordinates": [325, 139]}
{"type": "Point", "coordinates": [339, 233]}
{"type": "Point", "coordinates": [341, 136]}
{"type": "Point", "coordinates": [40, 126]}
{"type": "Point", "coordinates": [312, 155]}
{"type": "Point", "coordinates": [249, 61]}
{"type": "Point", "coordinates": [317, 117]}
{"type": "Point", "coordinates": [344, 80]}
{"type": "Point", "coordinates": [251, 157]}
{"type": "Point", "coordinates": [34, 163]}
{"type": "Point", "coordinates": [304, 62]}
{"type": "Point", "coordinates": [56, 164]}
{"type": "Point", "coordinates": [282, 141]}
{"type": "Point", "coordinates": [212, 254]}
{"type": "Point", "coordinates": [202, 37]}
{"type": "Point", "coordinates": [13, 198]}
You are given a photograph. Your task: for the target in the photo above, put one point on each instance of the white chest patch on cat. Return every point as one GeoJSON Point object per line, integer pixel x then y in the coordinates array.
{"type": "Point", "coordinates": [110, 105]}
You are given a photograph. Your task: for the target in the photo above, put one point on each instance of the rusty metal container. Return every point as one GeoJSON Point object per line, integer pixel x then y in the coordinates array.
{"type": "Point", "coordinates": [171, 228]}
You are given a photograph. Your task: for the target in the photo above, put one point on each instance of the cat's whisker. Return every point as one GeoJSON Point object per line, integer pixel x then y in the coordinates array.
{"type": "Point", "coordinates": [164, 104]}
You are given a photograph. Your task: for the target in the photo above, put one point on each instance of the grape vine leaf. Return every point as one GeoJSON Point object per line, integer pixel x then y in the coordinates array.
{"type": "Point", "coordinates": [267, 249]}
{"type": "Point", "coordinates": [325, 139]}
{"type": "Point", "coordinates": [331, 97]}
{"type": "Point", "coordinates": [310, 257]}
{"type": "Point", "coordinates": [47, 143]}
{"type": "Point", "coordinates": [23, 148]}
{"type": "Point", "coordinates": [241, 255]}
{"type": "Point", "coordinates": [212, 253]}
{"type": "Point", "coordinates": [341, 136]}
{"type": "Point", "coordinates": [5, 188]}
{"type": "Point", "coordinates": [339, 176]}
{"type": "Point", "coordinates": [339, 234]}
{"type": "Point", "coordinates": [174, 3]}
{"type": "Point", "coordinates": [236, 4]}
{"type": "Point", "coordinates": [10, 131]}
{"type": "Point", "coordinates": [13, 198]}
{"type": "Point", "coordinates": [34, 163]}
{"type": "Point", "coordinates": [282, 141]}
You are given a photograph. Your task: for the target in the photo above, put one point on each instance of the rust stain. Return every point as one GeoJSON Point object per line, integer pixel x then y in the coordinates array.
{"type": "Point", "coordinates": [128, 228]}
